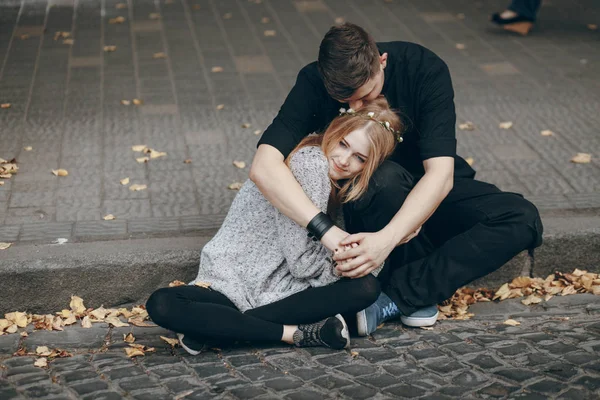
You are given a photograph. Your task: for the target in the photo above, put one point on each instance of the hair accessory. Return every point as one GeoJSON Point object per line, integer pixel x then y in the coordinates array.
{"type": "Point", "coordinates": [319, 225]}
{"type": "Point", "coordinates": [371, 115]}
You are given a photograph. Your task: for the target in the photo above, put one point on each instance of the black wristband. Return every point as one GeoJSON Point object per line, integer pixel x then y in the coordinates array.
{"type": "Point", "coordinates": [319, 225]}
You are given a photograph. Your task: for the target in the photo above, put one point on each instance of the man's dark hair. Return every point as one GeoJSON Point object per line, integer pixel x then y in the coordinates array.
{"type": "Point", "coordinates": [348, 57]}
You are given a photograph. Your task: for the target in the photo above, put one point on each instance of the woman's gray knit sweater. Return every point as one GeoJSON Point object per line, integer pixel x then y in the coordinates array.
{"type": "Point", "coordinates": [259, 255]}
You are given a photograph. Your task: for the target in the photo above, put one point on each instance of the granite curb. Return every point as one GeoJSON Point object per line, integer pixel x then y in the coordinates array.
{"type": "Point", "coordinates": [42, 277]}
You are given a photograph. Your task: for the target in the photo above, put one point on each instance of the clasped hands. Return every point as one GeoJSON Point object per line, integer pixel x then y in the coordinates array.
{"type": "Point", "coordinates": [359, 254]}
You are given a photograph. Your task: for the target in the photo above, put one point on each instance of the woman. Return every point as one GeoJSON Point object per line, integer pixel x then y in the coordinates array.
{"type": "Point", "coordinates": [268, 279]}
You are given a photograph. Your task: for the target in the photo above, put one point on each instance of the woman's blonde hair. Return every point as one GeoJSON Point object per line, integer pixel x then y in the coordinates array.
{"type": "Point", "coordinates": [381, 139]}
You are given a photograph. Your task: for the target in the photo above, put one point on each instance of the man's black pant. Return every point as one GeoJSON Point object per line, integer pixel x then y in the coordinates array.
{"type": "Point", "coordinates": [474, 231]}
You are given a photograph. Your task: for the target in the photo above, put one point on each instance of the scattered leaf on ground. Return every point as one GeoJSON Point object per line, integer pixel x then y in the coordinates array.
{"type": "Point", "coordinates": [176, 283]}
{"type": "Point", "coordinates": [136, 187]}
{"type": "Point", "coordinates": [116, 322]}
{"type": "Point", "coordinates": [76, 305]}
{"type": "Point", "coordinates": [126, 102]}
{"type": "Point", "coordinates": [12, 329]}
{"type": "Point", "coordinates": [187, 161]}
{"type": "Point", "coordinates": [4, 245]}
{"type": "Point", "coordinates": [239, 164]}
{"type": "Point", "coordinates": [270, 33]}
{"type": "Point", "coordinates": [129, 338]}
{"type": "Point", "coordinates": [205, 285]}
{"type": "Point", "coordinates": [592, 27]}
{"type": "Point", "coordinates": [41, 362]}
{"type": "Point", "coordinates": [531, 299]}
{"type": "Point", "coordinates": [582, 158]}
{"type": "Point", "coordinates": [156, 154]}
{"type": "Point", "coordinates": [460, 46]}
{"type": "Point", "coordinates": [17, 318]}
{"type": "Point", "coordinates": [99, 313]}
{"type": "Point", "coordinates": [505, 125]}
{"type": "Point", "coordinates": [142, 160]}
{"type": "Point", "coordinates": [27, 148]}
{"type": "Point", "coordinates": [172, 342]}
{"type": "Point", "coordinates": [139, 147]}
{"type": "Point", "coordinates": [24, 334]}
{"type": "Point", "coordinates": [220, 106]}
{"type": "Point", "coordinates": [124, 181]}
{"type": "Point", "coordinates": [257, 132]}
{"type": "Point", "coordinates": [117, 20]}
{"type": "Point", "coordinates": [61, 35]}
{"type": "Point", "coordinates": [109, 217]}
{"type": "Point", "coordinates": [121, 6]}
{"type": "Point", "coordinates": [227, 16]}
{"type": "Point", "coordinates": [427, 328]}
{"type": "Point", "coordinates": [235, 186]}
{"type": "Point", "coordinates": [43, 351]}
{"type": "Point", "coordinates": [85, 322]}
{"type": "Point", "coordinates": [466, 126]}
{"type": "Point", "coordinates": [159, 55]}
{"type": "Point", "coordinates": [339, 20]}
{"type": "Point", "coordinates": [265, 20]}
{"type": "Point", "coordinates": [5, 105]}
{"type": "Point", "coordinates": [139, 322]}
{"type": "Point", "coordinates": [470, 160]}
{"type": "Point", "coordinates": [547, 132]}
{"type": "Point", "coordinates": [70, 320]}
{"type": "Point", "coordinates": [511, 322]}
{"type": "Point", "coordinates": [60, 172]}
{"type": "Point", "coordinates": [246, 125]}
{"type": "Point", "coordinates": [217, 69]}
{"type": "Point", "coordinates": [110, 49]}
{"type": "Point", "coordinates": [133, 352]}
{"type": "Point", "coordinates": [354, 354]}
{"type": "Point", "coordinates": [154, 16]}
{"type": "Point", "coordinates": [138, 102]}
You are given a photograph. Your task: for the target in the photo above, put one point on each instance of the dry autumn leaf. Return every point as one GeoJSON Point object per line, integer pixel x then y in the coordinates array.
{"type": "Point", "coordinates": [466, 126]}
{"type": "Point", "coordinates": [227, 16]}
{"type": "Point", "coordinates": [136, 188]}
{"type": "Point", "coordinates": [270, 33]}
{"type": "Point", "coordinates": [531, 299]}
{"type": "Point", "coordinates": [126, 102]}
{"type": "Point", "coordinates": [116, 322]}
{"type": "Point", "coordinates": [110, 49]}
{"type": "Point", "coordinates": [5, 105]}
{"type": "Point", "coordinates": [27, 148]}
{"type": "Point", "coordinates": [187, 161]}
{"type": "Point", "coordinates": [43, 351]}
{"type": "Point", "coordinates": [505, 125]}
{"type": "Point", "coordinates": [265, 20]}
{"type": "Point", "coordinates": [12, 329]}
{"type": "Point", "coordinates": [117, 20]}
{"type": "Point", "coordinates": [159, 55]}
{"type": "Point", "coordinates": [133, 352]}
{"type": "Point", "coordinates": [139, 322]}
{"type": "Point", "coordinates": [154, 16]}
{"type": "Point", "coordinates": [470, 160]}
{"type": "Point", "coordinates": [176, 283]}
{"type": "Point", "coordinates": [235, 186]}
{"type": "Point", "coordinates": [511, 322]}
{"type": "Point", "coordinates": [109, 217]}
{"type": "Point", "coordinates": [76, 305]}
{"type": "Point", "coordinates": [17, 318]}
{"type": "Point", "coordinates": [582, 158]}
{"type": "Point", "coordinates": [156, 154]}
{"type": "Point", "coordinates": [129, 338]}
{"type": "Point", "coordinates": [142, 160]}
{"type": "Point", "coordinates": [124, 181]}
{"type": "Point", "coordinates": [547, 132]}
{"type": "Point", "coordinates": [354, 354]}
{"type": "Point", "coordinates": [41, 362]}
{"type": "Point", "coordinates": [24, 334]}
{"type": "Point", "coordinates": [239, 164]}
{"type": "Point", "coordinates": [592, 27]}
{"type": "Point", "coordinates": [460, 46]}
{"type": "Point", "coordinates": [86, 322]}
{"type": "Point", "coordinates": [205, 285]}
{"type": "Point", "coordinates": [520, 282]}
{"type": "Point", "coordinates": [257, 132]}
{"type": "Point", "coordinates": [246, 125]}
{"type": "Point", "coordinates": [121, 6]}
{"type": "Point", "coordinates": [60, 172]}
{"type": "Point", "coordinates": [139, 147]}
{"type": "Point", "coordinates": [137, 102]}
{"type": "Point", "coordinates": [172, 342]}
{"type": "Point", "coordinates": [217, 69]}
{"type": "Point", "coordinates": [220, 106]}
{"type": "Point", "coordinates": [4, 245]}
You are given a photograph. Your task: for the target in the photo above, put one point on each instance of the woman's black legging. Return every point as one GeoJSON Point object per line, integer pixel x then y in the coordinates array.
{"type": "Point", "coordinates": [204, 313]}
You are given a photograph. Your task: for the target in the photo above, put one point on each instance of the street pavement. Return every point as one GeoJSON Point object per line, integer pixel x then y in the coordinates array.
{"type": "Point", "coordinates": [65, 98]}
{"type": "Point", "coordinates": [552, 354]}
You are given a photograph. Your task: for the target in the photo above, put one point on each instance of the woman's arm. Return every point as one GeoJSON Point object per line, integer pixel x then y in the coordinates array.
{"type": "Point", "coordinates": [307, 259]}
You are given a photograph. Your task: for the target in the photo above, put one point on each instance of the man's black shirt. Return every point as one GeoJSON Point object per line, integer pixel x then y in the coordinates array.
{"type": "Point", "coordinates": [417, 85]}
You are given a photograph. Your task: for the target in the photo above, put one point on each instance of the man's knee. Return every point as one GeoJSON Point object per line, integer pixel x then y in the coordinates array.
{"type": "Point", "coordinates": [526, 216]}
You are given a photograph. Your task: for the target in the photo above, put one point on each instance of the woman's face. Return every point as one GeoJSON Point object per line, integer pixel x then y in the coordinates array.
{"type": "Point", "coordinates": [349, 156]}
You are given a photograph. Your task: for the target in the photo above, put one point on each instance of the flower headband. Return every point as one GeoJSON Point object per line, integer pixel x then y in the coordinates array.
{"type": "Point", "coordinates": [386, 125]}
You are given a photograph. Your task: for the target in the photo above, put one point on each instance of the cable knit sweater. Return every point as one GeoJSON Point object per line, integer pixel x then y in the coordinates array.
{"type": "Point", "coordinates": [259, 255]}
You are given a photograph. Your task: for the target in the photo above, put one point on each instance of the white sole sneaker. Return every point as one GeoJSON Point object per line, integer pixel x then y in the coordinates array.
{"type": "Point", "coordinates": [191, 351]}
{"type": "Point", "coordinates": [417, 322]}
{"type": "Point", "coordinates": [345, 332]}
{"type": "Point", "coordinates": [361, 323]}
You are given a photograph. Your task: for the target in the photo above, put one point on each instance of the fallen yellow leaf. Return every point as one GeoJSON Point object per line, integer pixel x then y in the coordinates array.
{"type": "Point", "coordinates": [467, 126]}
{"type": "Point", "coordinates": [109, 217]}
{"type": "Point", "coordinates": [156, 154]}
{"type": "Point", "coordinates": [460, 46]}
{"type": "Point", "coordinates": [76, 305]}
{"type": "Point", "coordinates": [110, 49]}
{"type": "Point", "coordinates": [138, 102]}
{"type": "Point", "coordinates": [176, 283]}
{"type": "Point", "coordinates": [136, 188]}
{"type": "Point", "coordinates": [511, 322]}
{"type": "Point", "coordinates": [27, 148]}
{"type": "Point", "coordinates": [506, 125]}
{"type": "Point", "coordinates": [42, 351]}
{"type": "Point", "coordinates": [547, 132]}
{"type": "Point", "coordinates": [133, 352]}
{"type": "Point", "coordinates": [257, 132]}
{"type": "Point", "coordinates": [159, 55]}
{"type": "Point", "coordinates": [187, 161]}
{"type": "Point", "coordinates": [4, 245]}
{"type": "Point", "coordinates": [470, 160]}
{"type": "Point", "coordinates": [205, 285]}
{"type": "Point", "coordinates": [270, 33]}
{"type": "Point", "coordinates": [17, 318]}
{"type": "Point", "coordinates": [12, 329]}
{"type": "Point", "coordinates": [70, 320]}
{"type": "Point", "coordinates": [126, 102]}
{"type": "Point", "coordinates": [354, 354]}
{"type": "Point", "coordinates": [427, 328]}
{"type": "Point", "coordinates": [246, 125]}
{"type": "Point", "coordinates": [99, 313]}
{"type": "Point", "coordinates": [129, 338]}
{"type": "Point", "coordinates": [121, 6]}
{"type": "Point", "coordinates": [154, 16]}
{"type": "Point", "coordinates": [24, 334]}
{"type": "Point", "coordinates": [217, 69]}
{"type": "Point", "coordinates": [60, 172]}
{"type": "Point", "coordinates": [41, 362]}
{"type": "Point", "coordinates": [265, 20]}
{"type": "Point", "coordinates": [172, 342]}
{"type": "Point", "coordinates": [592, 27]}
{"type": "Point", "coordinates": [139, 322]}
{"type": "Point", "coordinates": [116, 322]}
{"type": "Point", "coordinates": [142, 160]}
{"type": "Point", "coordinates": [582, 158]}
{"type": "Point", "coordinates": [220, 106]}
{"type": "Point", "coordinates": [117, 20]}
{"type": "Point", "coordinates": [521, 282]}
{"type": "Point", "coordinates": [227, 16]}
{"type": "Point", "coordinates": [5, 105]}
{"type": "Point", "coordinates": [235, 186]}
{"type": "Point", "coordinates": [86, 323]}
{"type": "Point", "coordinates": [124, 181]}
{"type": "Point", "coordinates": [139, 147]}
{"type": "Point", "coordinates": [532, 299]}
{"type": "Point", "coordinates": [239, 164]}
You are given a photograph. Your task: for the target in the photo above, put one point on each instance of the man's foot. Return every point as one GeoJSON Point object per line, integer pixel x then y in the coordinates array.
{"type": "Point", "coordinates": [190, 345]}
{"type": "Point", "coordinates": [422, 317]}
{"type": "Point", "coordinates": [371, 317]}
{"type": "Point", "coordinates": [331, 332]}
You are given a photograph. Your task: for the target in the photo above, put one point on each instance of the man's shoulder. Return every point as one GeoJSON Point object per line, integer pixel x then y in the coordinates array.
{"type": "Point", "coordinates": [402, 52]}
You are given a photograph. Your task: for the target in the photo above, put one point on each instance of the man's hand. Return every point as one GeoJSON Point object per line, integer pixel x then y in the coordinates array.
{"type": "Point", "coordinates": [368, 252]}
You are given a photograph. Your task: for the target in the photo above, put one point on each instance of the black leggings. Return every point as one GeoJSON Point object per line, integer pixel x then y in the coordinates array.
{"type": "Point", "coordinates": [207, 314]}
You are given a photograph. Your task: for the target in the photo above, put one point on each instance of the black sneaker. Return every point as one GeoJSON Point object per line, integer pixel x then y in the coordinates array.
{"type": "Point", "coordinates": [331, 332]}
{"type": "Point", "coordinates": [190, 345]}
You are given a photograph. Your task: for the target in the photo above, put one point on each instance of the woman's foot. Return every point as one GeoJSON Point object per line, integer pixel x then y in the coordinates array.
{"type": "Point", "coordinates": [331, 332]}
{"type": "Point", "coordinates": [511, 21]}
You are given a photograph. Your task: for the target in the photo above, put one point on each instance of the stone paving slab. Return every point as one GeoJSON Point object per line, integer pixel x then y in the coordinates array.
{"type": "Point", "coordinates": [553, 354]}
{"type": "Point", "coordinates": [66, 102]}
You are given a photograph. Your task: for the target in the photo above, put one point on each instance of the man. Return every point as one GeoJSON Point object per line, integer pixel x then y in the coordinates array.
{"type": "Point", "coordinates": [436, 226]}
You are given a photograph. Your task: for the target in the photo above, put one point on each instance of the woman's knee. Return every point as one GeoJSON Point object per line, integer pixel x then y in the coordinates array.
{"type": "Point", "coordinates": [159, 304]}
{"type": "Point", "coordinates": [369, 290]}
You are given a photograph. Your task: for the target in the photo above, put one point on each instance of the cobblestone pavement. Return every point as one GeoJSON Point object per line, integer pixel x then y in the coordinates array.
{"type": "Point", "coordinates": [66, 101]}
{"type": "Point", "coordinates": [554, 353]}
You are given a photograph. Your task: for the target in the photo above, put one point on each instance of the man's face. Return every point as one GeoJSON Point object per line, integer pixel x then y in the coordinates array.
{"type": "Point", "coordinates": [371, 89]}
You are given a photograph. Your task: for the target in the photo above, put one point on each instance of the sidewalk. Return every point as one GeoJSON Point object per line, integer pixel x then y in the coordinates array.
{"type": "Point", "coordinates": [553, 354]}
{"type": "Point", "coordinates": [65, 102]}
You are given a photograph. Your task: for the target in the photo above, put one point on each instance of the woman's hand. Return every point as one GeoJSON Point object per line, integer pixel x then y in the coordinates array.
{"type": "Point", "coordinates": [333, 237]}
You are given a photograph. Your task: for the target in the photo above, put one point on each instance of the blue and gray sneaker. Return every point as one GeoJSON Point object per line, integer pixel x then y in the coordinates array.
{"type": "Point", "coordinates": [422, 317]}
{"type": "Point", "coordinates": [371, 317]}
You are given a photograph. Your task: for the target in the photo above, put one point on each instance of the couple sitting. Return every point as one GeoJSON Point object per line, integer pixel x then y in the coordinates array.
{"type": "Point", "coordinates": [415, 227]}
